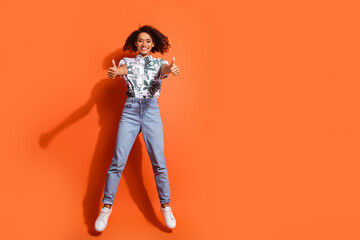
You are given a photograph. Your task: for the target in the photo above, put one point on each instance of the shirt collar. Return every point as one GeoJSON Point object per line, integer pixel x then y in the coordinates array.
{"type": "Point", "coordinates": [149, 57]}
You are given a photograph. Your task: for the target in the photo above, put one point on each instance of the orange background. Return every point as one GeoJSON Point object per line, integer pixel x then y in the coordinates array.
{"type": "Point", "coordinates": [261, 128]}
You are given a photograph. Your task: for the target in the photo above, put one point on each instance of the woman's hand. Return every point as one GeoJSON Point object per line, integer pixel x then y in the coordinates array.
{"type": "Point", "coordinates": [113, 71]}
{"type": "Point", "coordinates": [173, 68]}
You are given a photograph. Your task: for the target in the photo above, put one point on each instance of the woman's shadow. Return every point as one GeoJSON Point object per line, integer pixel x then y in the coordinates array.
{"type": "Point", "coordinates": [109, 97]}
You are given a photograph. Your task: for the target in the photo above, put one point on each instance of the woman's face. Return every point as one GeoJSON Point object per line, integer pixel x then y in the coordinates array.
{"type": "Point", "coordinates": [144, 44]}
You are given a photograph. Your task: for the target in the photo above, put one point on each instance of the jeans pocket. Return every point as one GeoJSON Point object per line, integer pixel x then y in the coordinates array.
{"type": "Point", "coordinates": [153, 105]}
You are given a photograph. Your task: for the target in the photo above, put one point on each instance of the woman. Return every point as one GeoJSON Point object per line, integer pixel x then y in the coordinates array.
{"type": "Point", "coordinates": [143, 75]}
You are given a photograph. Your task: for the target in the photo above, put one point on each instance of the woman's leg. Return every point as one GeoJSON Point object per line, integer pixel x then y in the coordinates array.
{"type": "Point", "coordinates": [129, 128]}
{"type": "Point", "coordinates": [152, 129]}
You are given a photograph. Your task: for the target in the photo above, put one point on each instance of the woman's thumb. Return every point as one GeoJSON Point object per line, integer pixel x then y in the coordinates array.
{"type": "Point", "coordinates": [113, 62]}
{"type": "Point", "coordinates": [173, 60]}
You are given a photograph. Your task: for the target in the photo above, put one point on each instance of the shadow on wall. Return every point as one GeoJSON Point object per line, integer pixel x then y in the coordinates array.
{"type": "Point", "coordinates": [109, 97]}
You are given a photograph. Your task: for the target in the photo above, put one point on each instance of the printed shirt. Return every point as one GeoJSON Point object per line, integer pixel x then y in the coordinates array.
{"type": "Point", "coordinates": [144, 77]}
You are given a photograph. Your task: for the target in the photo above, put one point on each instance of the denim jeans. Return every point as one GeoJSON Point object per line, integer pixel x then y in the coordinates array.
{"type": "Point", "coordinates": [139, 114]}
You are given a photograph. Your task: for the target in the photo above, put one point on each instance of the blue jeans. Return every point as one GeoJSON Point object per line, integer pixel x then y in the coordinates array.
{"type": "Point", "coordinates": [139, 114]}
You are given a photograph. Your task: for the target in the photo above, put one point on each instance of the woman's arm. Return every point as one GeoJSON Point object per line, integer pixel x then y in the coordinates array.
{"type": "Point", "coordinates": [122, 70]}
{"type": "Point", "coordinates": [113, 71]}
{"type": "Point", "coordinates": [165, 69]}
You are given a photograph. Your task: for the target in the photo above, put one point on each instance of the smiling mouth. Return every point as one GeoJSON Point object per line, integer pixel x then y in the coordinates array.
{"type": "Point", "coordinates": [144, 49]}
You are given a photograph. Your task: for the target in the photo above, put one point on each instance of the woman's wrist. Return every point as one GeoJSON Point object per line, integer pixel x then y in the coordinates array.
{"type": "Point", "coordinates": [165, 69]}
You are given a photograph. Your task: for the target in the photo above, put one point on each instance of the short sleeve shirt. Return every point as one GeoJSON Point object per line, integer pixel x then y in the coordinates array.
{"type": "Point", "coordinates": [144, 77]}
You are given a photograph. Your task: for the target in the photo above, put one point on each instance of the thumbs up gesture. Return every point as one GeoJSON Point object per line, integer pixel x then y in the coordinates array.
{"type": "Point", "coordinates": [174, 69]}
{"type": "Point", "coordinates": [112, 72]}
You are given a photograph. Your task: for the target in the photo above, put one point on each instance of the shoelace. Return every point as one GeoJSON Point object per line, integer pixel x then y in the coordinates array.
{"type": "Point", "coordinates": [168, 212]}
{"type": "Point", "coordinates": [102, 216]}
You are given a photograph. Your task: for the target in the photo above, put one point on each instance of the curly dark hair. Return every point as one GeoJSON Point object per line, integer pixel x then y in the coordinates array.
{"type": "Point", "coordinates": [161, 41]}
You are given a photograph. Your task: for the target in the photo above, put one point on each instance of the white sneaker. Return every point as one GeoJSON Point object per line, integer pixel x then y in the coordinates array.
{"type": "Point", "coordinates": [102, 219]}
{"type": "Point", "coordinates": [170, 220]}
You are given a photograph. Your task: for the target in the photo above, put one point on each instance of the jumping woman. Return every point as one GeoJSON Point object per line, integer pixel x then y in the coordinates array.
{"type": "Point", "coordinates": [143, 75]}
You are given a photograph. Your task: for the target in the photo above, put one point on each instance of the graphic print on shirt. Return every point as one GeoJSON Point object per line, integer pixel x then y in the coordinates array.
{"type": "Point", "coordinates": [144, 76]}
